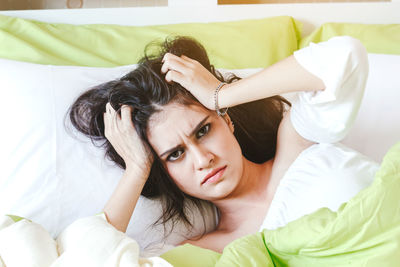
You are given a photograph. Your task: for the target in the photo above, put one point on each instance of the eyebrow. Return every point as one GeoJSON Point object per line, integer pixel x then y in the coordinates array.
{"type": "Point", "coordinates": [198, 126]}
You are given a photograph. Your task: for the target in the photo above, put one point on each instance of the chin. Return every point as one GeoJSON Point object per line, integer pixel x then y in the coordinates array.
{"type": "Point", "coordinates": [221, 191]}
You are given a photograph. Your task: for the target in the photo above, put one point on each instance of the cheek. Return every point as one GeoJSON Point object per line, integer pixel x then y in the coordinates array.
{"type": "Point", "coordinates": [227, 144]}
{"type": "Point", "coordinates": [178, 172]}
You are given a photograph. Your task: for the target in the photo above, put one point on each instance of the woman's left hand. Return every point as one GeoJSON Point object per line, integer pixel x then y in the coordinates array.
{"type": "Point", "coordinates": [193, 76]}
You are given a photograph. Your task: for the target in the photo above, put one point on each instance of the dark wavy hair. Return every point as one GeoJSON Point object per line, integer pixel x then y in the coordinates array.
{"type": "Point", "coordinates": [145, 89]}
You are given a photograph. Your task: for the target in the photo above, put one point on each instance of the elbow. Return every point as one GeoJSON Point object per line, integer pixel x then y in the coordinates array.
{"type": "Point", "coordinates": [358, 55]}
{"type": "Point", "coordinates": [354, 56]}
{"type": "Point", "coordinates": [120, 226]}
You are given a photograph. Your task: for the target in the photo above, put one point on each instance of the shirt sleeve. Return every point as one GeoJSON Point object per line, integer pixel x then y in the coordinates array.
{"type": "Point", "coordinates": [342, 64]}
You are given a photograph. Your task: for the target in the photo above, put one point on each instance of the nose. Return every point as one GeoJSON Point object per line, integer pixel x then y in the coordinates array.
{"type": "Point", "coordinates": [203, 158]}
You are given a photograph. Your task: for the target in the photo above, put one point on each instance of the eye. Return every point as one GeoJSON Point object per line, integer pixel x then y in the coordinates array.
{"type": "Point", "coordinates": [203, 130]}
{"type": "Point", "coordinates": [175, 155]}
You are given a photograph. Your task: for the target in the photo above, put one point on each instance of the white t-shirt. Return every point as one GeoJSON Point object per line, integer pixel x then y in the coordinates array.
{"type": "Point", "coordinates": [326, 174]}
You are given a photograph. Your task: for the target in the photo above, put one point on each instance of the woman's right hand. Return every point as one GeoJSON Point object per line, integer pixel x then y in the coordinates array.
{"type": "Point", "coordinates": [121, 133]}
{"type": "Point", "coordinates": [193, 76]}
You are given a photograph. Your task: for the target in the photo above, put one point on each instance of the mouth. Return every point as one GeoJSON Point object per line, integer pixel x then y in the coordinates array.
{"type": "Point", "coordinates": [214, 175]}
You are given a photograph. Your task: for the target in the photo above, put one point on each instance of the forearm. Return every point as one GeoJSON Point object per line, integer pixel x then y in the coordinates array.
{"type": "Point", "coordinates": [283, 77]}
{"type": "Point", "coordinates": [121, 205]}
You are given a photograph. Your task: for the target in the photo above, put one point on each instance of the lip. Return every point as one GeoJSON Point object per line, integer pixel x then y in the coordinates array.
{"type": "Point", "coordinates": [214, 175]}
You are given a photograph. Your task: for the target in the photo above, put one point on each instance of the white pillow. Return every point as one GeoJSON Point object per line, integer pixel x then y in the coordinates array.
{"type": "Point", "coordinates": [53, 179]}
{"type": "Point", "coordinates": [48, 175]}
{"type": "Point", "coordinates": [377, 126]}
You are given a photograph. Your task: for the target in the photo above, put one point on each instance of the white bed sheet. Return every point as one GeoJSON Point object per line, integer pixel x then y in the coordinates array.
{"type": "Point", "coordinates": [375, 129]}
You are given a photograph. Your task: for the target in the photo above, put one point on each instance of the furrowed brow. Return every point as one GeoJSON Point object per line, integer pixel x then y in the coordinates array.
{"type": "Point", "coordinates": [198, 126]}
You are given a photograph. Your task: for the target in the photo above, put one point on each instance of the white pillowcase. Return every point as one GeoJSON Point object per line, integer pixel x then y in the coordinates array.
{"type": "Point", "coordinates": [52, 178]}
{"type": "Point", "coordinates": [377, 126]}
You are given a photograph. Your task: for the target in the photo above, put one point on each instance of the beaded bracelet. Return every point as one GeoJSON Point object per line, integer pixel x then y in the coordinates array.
{"type": "Point", "coordinates": [216, 100]}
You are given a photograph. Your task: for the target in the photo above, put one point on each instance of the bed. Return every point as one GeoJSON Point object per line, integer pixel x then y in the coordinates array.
{"type": "Point", "coordinates": [45, 65]}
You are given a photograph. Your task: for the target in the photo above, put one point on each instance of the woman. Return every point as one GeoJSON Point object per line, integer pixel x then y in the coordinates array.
{"type": "Point", "coordinates": [172, 142]}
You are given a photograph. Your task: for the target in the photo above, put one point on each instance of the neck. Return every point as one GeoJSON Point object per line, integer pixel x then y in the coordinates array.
{"type": "Point", "coordinates": [250, 192]}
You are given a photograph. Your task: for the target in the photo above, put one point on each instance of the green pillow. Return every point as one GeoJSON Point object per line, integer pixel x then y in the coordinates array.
{"type": "Point", "coordinates": [231, 45]}
{"type": "Point", "coordinates": [379, 39]}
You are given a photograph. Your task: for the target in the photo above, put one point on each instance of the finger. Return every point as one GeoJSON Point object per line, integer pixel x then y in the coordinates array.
{"type": "Point", "coordinates": [107, 116]}
{"type": "Point", "coordinates": [126, 117]}
{"type": "Point", "coordinates": [174, 76]}
{"type": "Point", "coordinates": [109, 109]}
{"type": "Point", "coordinates": [168, 58]}
{"type": "Point", "coordinates": [106, 124]}
{"type": "Point", "coordinates": [112, 117]}
{"type": "Point", "coordinates": [174, 64]}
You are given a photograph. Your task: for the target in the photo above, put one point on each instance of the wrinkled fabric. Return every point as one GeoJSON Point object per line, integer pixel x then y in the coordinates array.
{"type": "Point", "coordinates": [326, 174]}
{"type": "Point", "coordinates": [364, 232]}
{"type": "Point", "coordinates": [90, 241]}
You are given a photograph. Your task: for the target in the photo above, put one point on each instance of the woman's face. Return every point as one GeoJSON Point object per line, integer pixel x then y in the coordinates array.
{"type": "Point", "coordinates": [198, 149]}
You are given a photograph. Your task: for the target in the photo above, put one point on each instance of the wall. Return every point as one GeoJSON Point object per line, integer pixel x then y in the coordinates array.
{"type": "Point", "coordinates": [230, 2]}
{"type": "Point", "coordinates": [50, 4]}
{"type": "Point", "coordinates": [60, 4]}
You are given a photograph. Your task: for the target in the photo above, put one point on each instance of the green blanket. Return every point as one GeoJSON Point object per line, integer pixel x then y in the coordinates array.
{"type": "Point", "coordinates": [364, 232]}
